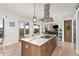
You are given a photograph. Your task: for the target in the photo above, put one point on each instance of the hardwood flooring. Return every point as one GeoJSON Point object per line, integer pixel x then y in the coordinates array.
{"type": "Point", "coordinates": [62, 49]}
{"type": "Point", "coordinates": [65, 49]}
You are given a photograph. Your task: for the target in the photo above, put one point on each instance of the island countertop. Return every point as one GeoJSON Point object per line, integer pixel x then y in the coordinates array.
{"type": "Point", "coordinates": [38, 40]}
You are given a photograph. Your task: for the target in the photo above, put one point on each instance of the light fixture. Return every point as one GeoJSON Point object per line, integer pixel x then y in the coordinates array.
{"type": "Point", "coordinates": [34, 17]}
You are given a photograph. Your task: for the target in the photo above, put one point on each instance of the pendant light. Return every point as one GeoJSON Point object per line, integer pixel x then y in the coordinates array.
{"type": "Point", "coordinates": [34, 17]}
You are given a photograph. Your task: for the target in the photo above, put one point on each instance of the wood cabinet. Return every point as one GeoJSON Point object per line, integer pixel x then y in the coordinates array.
{"type": "Point", "coordinates": [25, 48]}
{"type": "Point", "coordinates": [48, 48]}
{"type": "Point", "coordinates": [33, 50]}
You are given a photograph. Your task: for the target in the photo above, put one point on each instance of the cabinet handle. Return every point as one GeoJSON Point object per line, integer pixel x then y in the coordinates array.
{"type": "Point", "coordinates": [26, 46]}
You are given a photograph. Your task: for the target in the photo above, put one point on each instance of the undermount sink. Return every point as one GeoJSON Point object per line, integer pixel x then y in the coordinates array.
{"type": "Point", "coordinates": [46, 36]}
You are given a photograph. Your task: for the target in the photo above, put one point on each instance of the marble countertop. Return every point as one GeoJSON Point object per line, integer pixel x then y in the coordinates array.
{"type": "Point", "coordinates": [37, 40]}
{"type": "Point", "coordinates": [29, 38]}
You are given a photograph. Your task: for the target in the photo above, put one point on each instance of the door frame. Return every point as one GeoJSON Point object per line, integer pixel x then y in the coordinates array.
{"type": "Point", "coordinates": [75, 31]}
{"type": "Point", "coordinates": [71, 30]}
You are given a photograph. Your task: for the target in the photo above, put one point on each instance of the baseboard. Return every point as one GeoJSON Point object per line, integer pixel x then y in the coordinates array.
{"type": "Point", "coordinates": [10, 44]}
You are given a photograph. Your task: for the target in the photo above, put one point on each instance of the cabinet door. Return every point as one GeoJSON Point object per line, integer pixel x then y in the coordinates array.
{"type": "Point", "coordinates": [49, 48]}
{"type": "Point", "coordinates": [34, 50]}
{"type": "Point", "coordinates": [55, 42]}
{"type": "Point", "coordinates": [44, 50]}
{"type": "Point", "coordinates": [51, 44]}
{"type": "Point", "coordinates": [25, 48]}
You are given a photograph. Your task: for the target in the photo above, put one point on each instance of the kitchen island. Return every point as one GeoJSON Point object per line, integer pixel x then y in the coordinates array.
{"type": "Point", "coordinates": [41, 45]}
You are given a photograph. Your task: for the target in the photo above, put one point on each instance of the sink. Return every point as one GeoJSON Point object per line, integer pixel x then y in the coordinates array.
{"type": "Point", "coordinates": [39, 41]}
{"type": "Point", "coordinates": [46, 36]}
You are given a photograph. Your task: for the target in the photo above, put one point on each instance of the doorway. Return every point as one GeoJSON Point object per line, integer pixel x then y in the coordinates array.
{"type": "Point", "coordinates": [1, 27]}
{"type": "Point", "coordinates": [21, 29]}
{"type": "Point", "coordinates": [68, 30]}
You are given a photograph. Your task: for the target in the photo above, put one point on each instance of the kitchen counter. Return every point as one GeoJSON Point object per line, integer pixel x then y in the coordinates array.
{"type": "Point", "coordinates": [29, 38]}
{"type": "Point", "coordinates": [40, 45]}
{"type": "Point", "coordinates": [38, 40]}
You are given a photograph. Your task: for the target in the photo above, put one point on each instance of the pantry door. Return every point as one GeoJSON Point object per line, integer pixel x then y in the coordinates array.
{"type": "Point", "coordinates": [68, 30]}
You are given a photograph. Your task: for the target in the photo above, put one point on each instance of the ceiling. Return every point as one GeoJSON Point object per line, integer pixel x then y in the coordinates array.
{"type": "Point", "coordinates": [24, 9]}
{"type": "Point", "coordinates": [27, 9]}
{"type": "Point", "coordinates": [62, 10]}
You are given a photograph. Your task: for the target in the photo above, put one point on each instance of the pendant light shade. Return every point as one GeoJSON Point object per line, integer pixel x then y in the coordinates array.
{"type": "Point", "coordinates": [34, 17]}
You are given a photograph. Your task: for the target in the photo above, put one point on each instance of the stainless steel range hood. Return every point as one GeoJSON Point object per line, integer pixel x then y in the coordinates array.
{"type": "Point", "coordinates": [47, 17]}
{"type": "Point", "coordinates": [50, 19]}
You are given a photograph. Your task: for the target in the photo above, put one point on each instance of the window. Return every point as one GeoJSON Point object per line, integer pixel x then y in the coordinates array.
{"type": "Point", "coordinates": [21, 28]}
{"type": "Point", "coordinates": [36, 29]}
{"type": "Point", "coordinates": [27, 28]}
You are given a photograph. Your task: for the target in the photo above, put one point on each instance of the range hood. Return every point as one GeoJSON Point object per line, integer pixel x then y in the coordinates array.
{"type": "Point", "coordinates": [50, 19]}
{"type": "Point", "coordinates": [47, 17]}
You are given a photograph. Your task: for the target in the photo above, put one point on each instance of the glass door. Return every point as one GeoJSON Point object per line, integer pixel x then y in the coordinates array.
{"type": "Point", "coordinates": [1, 27]}
{"type": "Point", "coordinates": [21, 28]}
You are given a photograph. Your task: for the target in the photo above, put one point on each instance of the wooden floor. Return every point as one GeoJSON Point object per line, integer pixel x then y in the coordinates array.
{"type": "Point", "coordinates": [62, 49]}
{"type": "Point", "coordinates": [13, 50]}
{"type": "Point", "coordinates": [65, 49]}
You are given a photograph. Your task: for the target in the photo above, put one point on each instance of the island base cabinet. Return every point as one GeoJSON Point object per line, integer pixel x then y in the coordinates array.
{"type": "Point", "coordinates": [33, 50]}
{"type": "Point", "coordinates": [28, 49]}
{"type": "Point", "coordinates": [48, 48]}
{"type": "Point", "coordinates": [25, 48]}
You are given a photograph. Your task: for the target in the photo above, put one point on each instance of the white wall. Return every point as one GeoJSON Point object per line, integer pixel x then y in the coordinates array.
{"type": "Point", "coordinates": [11, 34]}
{"type": "Point", "coordinates": [61, 12]}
